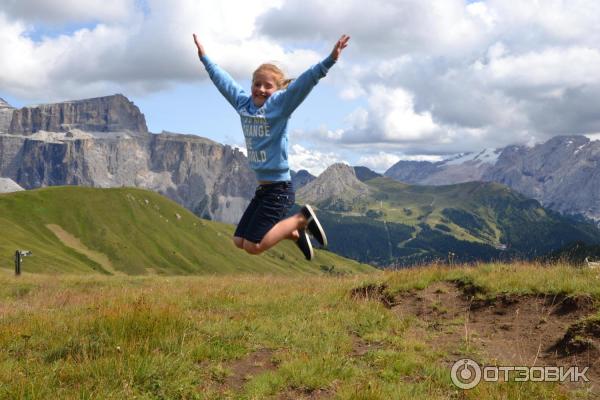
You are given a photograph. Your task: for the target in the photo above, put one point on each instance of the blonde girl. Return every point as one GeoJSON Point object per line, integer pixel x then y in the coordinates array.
{"type": "Point", "coordinates": [264, 115]}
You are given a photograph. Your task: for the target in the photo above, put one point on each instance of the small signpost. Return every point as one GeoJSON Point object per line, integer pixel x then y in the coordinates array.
{"type": "Point", "coordinates": [19, 254]}
{"type": "Point", "coordinates": [592, 264]}
{"type": "Point", "coordinates": [451, 257]}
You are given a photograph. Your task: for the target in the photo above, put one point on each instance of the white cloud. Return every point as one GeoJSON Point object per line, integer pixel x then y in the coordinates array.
{"type": "Point", "coordinates": [243, 150]}
{"type": "Point", "coordinates": [390, 117]}
{"type": "Point", "coordinates": [553, 67]}
{"type": "Point", "coordinates": [427, 77]}
{"type": "Point", "coordinates": [536, 22]}
{"type": "Point", "coordinates": [457, 76]}
{"type": "Point", "coordinates": [313, 161]}
{"type": "Point", "coordinates": [144, 53]}
{"type": "Point", "coordinates": [393, 113]}
{"type": "Point", "coordinates": [379, 162]}
{"type": "Point", "coordinates": [68, 11]}
{"type": "Point", "coordinates": [383, 27]}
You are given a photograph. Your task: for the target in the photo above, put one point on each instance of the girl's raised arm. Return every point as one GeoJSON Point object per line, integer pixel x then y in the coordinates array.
{"type": "Point", "coordinates": [228, 87]}
{"type": "Point", "coordinates": [300, 87]}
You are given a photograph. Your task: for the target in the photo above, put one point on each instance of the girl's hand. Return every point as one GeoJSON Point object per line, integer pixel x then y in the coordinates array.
{"type": "Point", "coordinates": [339, 46]}
{"type": "Point", "coordinates": [201, 51]}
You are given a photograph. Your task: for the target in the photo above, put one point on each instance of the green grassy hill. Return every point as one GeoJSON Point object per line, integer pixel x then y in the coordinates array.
{"type": "Point", "coordinates": [134, 231]}
{"type": "Point", "coordinates": [399, 224]}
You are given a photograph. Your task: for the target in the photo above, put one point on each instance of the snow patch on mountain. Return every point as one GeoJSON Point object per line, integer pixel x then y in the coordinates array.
{"type": "Point", "coordinates": [489, 156]}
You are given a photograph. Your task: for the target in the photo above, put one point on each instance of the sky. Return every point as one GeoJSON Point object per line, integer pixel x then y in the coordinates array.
{"type": "Point", "coordinates": [420, 80]}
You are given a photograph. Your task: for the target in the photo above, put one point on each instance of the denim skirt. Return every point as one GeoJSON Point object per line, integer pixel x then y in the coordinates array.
{"type": "Point", "coordinates": [270, 204]}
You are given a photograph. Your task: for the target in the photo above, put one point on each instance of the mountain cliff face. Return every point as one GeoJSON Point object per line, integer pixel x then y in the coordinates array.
{"type": "Point", "coordinates": [103, 114]}
{"type": "Point", "coordinates": [6, 112]}
{"type": "Point", "coordinates": [104, 142]}
{"type": "Point", "coordinates": [562, 173]}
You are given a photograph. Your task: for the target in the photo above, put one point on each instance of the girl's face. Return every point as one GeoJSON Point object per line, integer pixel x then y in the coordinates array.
{"type": "Point", "coordinates": [263, 86]}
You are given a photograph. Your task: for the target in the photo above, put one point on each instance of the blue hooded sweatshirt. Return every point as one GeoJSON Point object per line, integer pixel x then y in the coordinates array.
{"type": "Point", "coordinates": [265, 127]}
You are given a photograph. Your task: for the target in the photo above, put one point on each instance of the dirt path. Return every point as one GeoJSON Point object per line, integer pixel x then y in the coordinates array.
{"type": "Point", "coordinates": [71, 241]}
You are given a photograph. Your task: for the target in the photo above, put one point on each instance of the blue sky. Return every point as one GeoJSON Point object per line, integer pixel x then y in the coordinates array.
{"type": "Point", "coordinates": [419, 80]}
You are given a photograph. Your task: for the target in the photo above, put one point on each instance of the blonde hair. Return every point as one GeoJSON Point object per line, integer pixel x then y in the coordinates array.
{"type": "Point", "coordinates": [280, 80]}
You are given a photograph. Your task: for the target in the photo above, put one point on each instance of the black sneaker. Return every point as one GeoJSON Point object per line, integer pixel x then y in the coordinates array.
{"type": "Point", "coordinates": [305, 245]}
{"type": "Point", "coordinates": [314, 227]}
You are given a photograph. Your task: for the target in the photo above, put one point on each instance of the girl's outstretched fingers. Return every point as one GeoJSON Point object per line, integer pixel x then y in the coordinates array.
{"type": "Point", "coordinates": [340, 45]}
{"type": "Point", "coordinates": [201, 51]}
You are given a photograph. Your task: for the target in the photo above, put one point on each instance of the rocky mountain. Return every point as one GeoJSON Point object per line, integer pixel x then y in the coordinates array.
{"type": "Point", "coordinates": [104, 142]}
{"type": "Point", "coordinates": [301, 178]}
{"type": "Point", "coordinates": [103, 114]}
{"type": "Point", "coordinates": [465, 167]}
{"type": "Point", "coordinates": [336, 188]}
{"type": "Point", "coordinates": [562, 173]}
{"type": "Point", "coordinates": [6, 112]}
{"type": "Point", "coordinates": [364, 173]}
{"type": "Point", "coordinates": [413, 172]}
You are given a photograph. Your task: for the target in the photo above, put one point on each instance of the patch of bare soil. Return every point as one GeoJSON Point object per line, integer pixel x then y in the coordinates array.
{"type": "Point", "coordinates": [245, 368]}
{"type": "Point", "coordinates": [372, 291]}
{"type": "Point", "coordinates": [256, 363]}
{"type": "Point", "coordinates": [298, 394]}
{"type": "Point", "coordinates": [580, 337]}
{"type": "Point", "coordinates": [360, 347]}
{"type": "Point", "coordinates": [239, 372]}
{"type": "Point", "coordinates": [511, 330]}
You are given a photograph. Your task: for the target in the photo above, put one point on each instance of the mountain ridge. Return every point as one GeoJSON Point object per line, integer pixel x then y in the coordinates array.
{"type": "Point", "coordinates": [104, 142]}
{"type": "Point", "coordinates": [90, 142]}
{"type": "Point", "coordinates": [562, 173]}
{"type": "Point", "coordinates": [113, 113]}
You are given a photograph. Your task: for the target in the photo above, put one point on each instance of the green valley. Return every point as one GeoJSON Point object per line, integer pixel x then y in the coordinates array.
{"type": "Point", "coordinates": [389, 223]}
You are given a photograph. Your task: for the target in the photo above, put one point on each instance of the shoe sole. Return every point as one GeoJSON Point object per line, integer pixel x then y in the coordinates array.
{"type": "Point", "coordinates": [313, 219]}
{"type": "Point", "coordinates": [309, 244]}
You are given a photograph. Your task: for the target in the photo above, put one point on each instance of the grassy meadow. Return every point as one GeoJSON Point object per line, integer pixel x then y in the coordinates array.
{"type": "Point", "coordinates": [254, 336]}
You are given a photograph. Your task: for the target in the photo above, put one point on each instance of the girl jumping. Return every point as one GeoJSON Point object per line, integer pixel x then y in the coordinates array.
{"type": "Point", "coordinates": [264, 115]}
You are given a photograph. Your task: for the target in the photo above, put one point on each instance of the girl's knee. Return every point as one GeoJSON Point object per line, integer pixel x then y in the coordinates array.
{"type": "Point", "coordinates": [239, 242]}
{"type": "Point", "coordinates": [252, 248]}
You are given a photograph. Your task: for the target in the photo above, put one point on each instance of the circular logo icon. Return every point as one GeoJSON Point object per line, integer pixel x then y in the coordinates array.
{"type": "Point", "coordinates": [465, 373]}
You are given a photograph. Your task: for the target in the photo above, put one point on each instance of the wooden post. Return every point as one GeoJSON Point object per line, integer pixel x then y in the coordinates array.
{"type": "Point", "coordinates": [17, 263]}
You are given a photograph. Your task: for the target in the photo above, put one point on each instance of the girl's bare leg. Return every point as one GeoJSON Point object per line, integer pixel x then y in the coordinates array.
{"type": "Point", "coordinates": [284, 229]}
{"type": "Point", "coordinates": [239, 242]}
